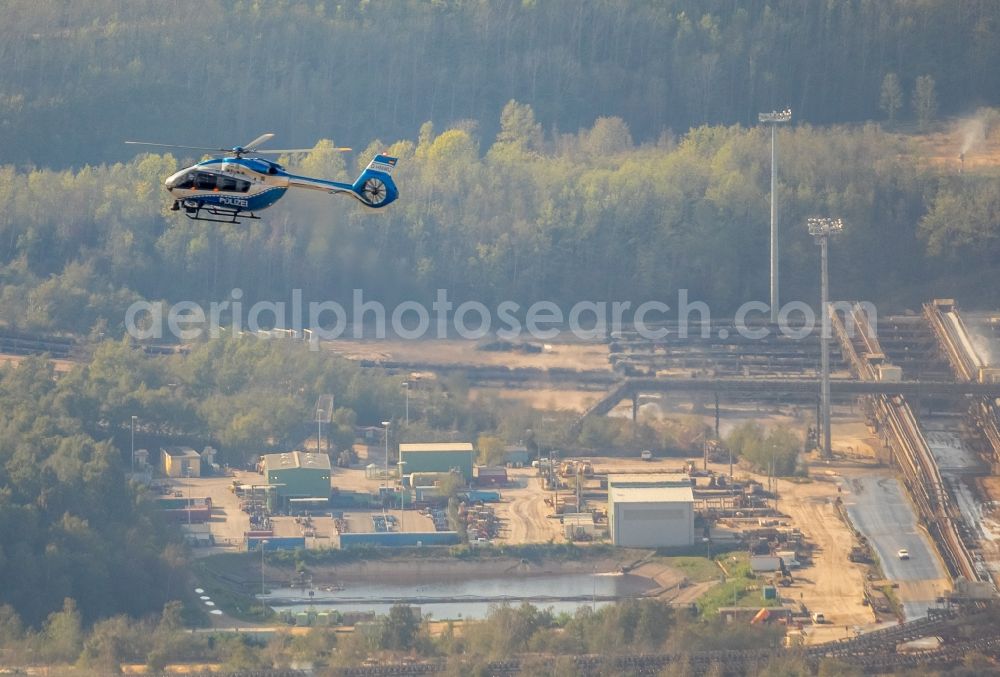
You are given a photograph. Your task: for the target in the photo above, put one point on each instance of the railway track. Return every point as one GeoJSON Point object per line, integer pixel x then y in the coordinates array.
{"type": "Point", "coordinates": [920, 471]}
{"type": "Point", "coordinates": [953, 336]}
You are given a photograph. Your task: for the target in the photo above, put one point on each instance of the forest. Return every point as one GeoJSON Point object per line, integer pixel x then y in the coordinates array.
{"type": "Point", "coordinates": [556, 151]}
{"type": "Point", "coordinates": [586, 217]}
{"type": "Point", "coordinates": [81, 77]}
{"type": "Point", "coordinates": [548, 150]}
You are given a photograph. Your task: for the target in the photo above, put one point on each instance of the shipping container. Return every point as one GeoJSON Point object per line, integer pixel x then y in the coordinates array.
{"type": "Point", "coordinates": [427, 479]}
{"type": "Point", "coordinates": [259, 533]}
{"type": "Point", "coordinates": [488, 476]}
{"type": "Point", "coordinates": [179, 502]}
{"type": "Point", "coordinates": [480, 495]}
{"type": "Point", "coordinates": [428, 495]}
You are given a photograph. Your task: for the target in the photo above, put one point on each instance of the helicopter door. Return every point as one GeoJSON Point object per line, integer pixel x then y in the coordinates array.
{"type": "Point", "coordinates": [233, 185]}
{"type": "Point", "coordinates": [204, 181]}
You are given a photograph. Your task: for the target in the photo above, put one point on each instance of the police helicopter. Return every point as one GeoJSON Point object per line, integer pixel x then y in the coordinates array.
{"type": "Point", "coordinates": [227, 189]}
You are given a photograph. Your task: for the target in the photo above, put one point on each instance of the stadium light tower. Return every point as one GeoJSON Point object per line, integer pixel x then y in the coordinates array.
{"type": "Point", "coordinates": [774, 118]}
{"type": "Point", "coordinates": [821, 230]}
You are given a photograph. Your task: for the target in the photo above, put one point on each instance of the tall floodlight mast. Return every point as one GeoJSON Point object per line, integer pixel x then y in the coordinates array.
{"type": "Point", "coordinates": [774, 118]}
{"type": "Point", "coordinates": [822, 229]}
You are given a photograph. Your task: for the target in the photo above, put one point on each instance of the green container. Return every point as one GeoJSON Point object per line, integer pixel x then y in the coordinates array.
{"type": "Point", "coordinates": [769, 592]}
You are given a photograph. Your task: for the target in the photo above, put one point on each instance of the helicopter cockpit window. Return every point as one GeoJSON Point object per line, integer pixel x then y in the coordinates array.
{"type": "Point", "coordinates": [205, 181]}
{"type": "Point", "coordinates": [186, 183]}
{"type": "Point", "coordinates": [233, 185]}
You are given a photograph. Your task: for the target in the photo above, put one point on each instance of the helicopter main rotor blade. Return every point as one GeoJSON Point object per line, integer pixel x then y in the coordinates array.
{"type": "Point", "coordinates": [170, 145]}
{"type": "Point", "coordinates": [300, 150]}
{"type": "Point", "coordinates": [252, 146]}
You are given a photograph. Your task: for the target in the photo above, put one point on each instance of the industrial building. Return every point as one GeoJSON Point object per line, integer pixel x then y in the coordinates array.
{"type": "Point", "coordinates": [298, 476]}
{"type": "Point", "coordinates": [438, 457]}
{"type": "Point", "coordinates": [180, 462]}
{"type": "Point", "coordinates": [651, 510]}
{"type": "Point", "coordinates": [516, 455]}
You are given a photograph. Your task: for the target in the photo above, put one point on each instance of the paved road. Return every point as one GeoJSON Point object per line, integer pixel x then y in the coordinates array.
{"type": "Point", "coordinates": [879, 510]}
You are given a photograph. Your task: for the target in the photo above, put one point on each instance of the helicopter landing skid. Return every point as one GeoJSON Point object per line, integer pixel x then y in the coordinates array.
{"type": "Point", "coordinates": [229, 215]}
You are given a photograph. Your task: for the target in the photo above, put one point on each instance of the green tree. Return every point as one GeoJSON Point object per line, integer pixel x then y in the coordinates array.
{"type": "Point", "coordinates": [890, 96]}
{"type": "Point", "coordinates": [925, 103]}
{"type": "Point", "coordinates": [400, 628]}
{"type": "Point", "coordinates": [776, 448]}
{"type": "Point", "coordinates": [491, 450]}
{"type": "Point", "coordinates": [63, 634]}
{"type": "Point", "coordinates": [519, 133]}
{"type": "Point", "coordinates": [113, 641]}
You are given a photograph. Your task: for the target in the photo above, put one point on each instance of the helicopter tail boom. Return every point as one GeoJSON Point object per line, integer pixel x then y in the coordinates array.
{"type": "Point", "coordinates": [374, 188]}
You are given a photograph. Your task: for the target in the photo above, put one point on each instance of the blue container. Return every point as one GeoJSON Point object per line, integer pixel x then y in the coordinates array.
{"type": "Point", "coordinates": [481, 495]}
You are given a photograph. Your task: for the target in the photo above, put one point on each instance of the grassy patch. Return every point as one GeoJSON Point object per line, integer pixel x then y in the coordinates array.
{"type": "Point", "coordinates": [894, 603]}
{"type": "Point", "coordinates": [741, 588]}
{"type": "Point", "coordinates": [697, 569]}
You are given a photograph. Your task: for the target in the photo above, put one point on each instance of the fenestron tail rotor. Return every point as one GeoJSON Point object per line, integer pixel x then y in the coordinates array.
{"type": "Point", "coordinates": [374, 191]}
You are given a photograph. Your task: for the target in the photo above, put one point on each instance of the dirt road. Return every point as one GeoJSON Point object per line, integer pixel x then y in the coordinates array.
{"type": "Point", "coordinates": [832, 584]}
{"type": "Point", "coordinates": [525, 513]}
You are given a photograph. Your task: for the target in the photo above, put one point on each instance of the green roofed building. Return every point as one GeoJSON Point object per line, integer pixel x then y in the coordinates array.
{"type": "Point", "coordinates": [297, 474]}
{"type": "Point", "coordinates": [438, 457]}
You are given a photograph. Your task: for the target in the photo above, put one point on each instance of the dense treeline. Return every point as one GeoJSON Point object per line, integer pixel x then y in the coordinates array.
{"type": "Point", "coordinates": [545, 644]}
{"type": "Point", "coordinates": [78, 78]}
{"type": "Point", "coordinates": [70, 525]}
{"type": "Point", "coordinates": [589, 216]}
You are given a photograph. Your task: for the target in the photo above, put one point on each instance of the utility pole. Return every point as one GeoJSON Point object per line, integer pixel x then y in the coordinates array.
{"type": "Point", "coordinates": [774, 118]}
{"type": "Point", "coordinates": [133, 443]}
{"type": "Point", "coordinates": [402, 493]}
{"type": "Point", "coordinates": [263, 545]}
{"type": "Point", "coordinates": [821, 229]}
{"type": "Point", "coordinates": [406, 387]}
{"type": "Point", "coordinates": [386, 485]}
{"type": "Point", "coordinates": [319, 430]}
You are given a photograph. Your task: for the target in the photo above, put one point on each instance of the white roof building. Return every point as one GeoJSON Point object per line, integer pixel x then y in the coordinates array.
{"type": "Point", "coordinates": [651, 511]}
